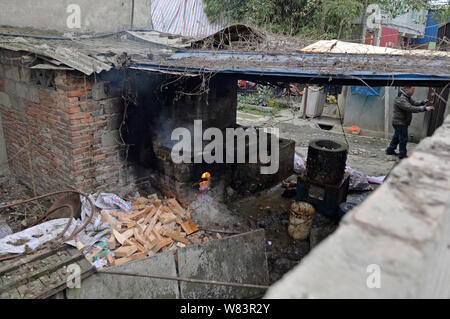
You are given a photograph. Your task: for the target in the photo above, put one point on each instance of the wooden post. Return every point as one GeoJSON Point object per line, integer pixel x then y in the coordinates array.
{"type": "Point", "coordinates": [386, 112]}
{"type": "Point", "coordinates": [305, 97]}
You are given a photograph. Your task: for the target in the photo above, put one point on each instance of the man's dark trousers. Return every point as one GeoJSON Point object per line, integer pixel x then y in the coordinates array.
{"type": "Point", "coordinates": [400, 138]}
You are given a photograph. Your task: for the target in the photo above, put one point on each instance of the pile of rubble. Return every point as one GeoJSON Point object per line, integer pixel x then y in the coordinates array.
{"type": "Point", "coordinates": [154, 225]}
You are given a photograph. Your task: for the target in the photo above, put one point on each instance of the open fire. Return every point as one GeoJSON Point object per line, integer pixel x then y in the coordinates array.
{"type": "Point", "coordinates": [205, 182]}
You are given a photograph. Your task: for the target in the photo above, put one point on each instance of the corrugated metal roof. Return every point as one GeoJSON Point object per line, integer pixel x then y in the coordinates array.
{"type": "Point", "coordinates": [153, 51]}
{"type": "Point", "coordinates": [321, 66]}
{"type": "Point", "coordinates": [69, 56]}
{"type": "Point", "coordinates": [96, 54]}
{"type": "Point", "coordinates": [99, 53]}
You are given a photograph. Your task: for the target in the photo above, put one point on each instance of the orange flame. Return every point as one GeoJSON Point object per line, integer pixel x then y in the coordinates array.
{"type": "Point", "coordinates": [204, 185]}
{"type": "Point", "coordinates": [206, 175]}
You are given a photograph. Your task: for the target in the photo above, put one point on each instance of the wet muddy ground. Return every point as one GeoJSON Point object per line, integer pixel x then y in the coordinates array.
{"type": "Point", "coordinates": [270, 210]}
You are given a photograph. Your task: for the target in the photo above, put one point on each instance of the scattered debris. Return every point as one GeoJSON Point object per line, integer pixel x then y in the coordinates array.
{"type": "Point", "coordinates": [5, 230]}
{"type": "Point", "coordinates": [358, 180]}
{"type": "Point", "coordinates": [354, 129]}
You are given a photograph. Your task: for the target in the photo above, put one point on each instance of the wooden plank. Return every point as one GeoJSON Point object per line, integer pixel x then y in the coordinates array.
{"type": "Point", "coordinates": [110, 259]}
{"type": "Point", "coordinates": [120, 238]}
{"type": "Point", "coordinates": [115, 225]}
{"type": "Point", "coordinates": [150, 215]}
{"type": "Point", "coordinates": [152, 223]}
{"type": "Point", "coordinates": [139, 237]}
{"type": "Point", "coordinates": [168, 222]}
{"type": "Point", "coordinates": [140, 229]}
{"type": "Point", "coordinates": [112, 242]}
{"type": "Point", "coordinates": [141, 200]}
{"type": "Point", "coordinates": [125, 251]}
{"type": "Point", "coordinates": [138, 206]}
{"type": "Point", "coordinates": [189, 227]}
{"type": "Point", "coordinates": [118, 215]}
{"type": "Point", "coordinates": [176, 208]}
{"type": "Point", "coordinates": [157, 234]}
{"type": "Point", "coordinates": [124, 260]}
{"type": "Point", "coordinates": [157, 203]}
{"type": "Point", "coordinates": [175, 236]}
{"type": "Point", "coordinates": [139, 247]}
{"type": "Point", "coordinates": [141, 213]}
{"type": "Point", "coordinates": [80, 245]}
{"type": "Point", "coordinates": [150, 244]}
{"type": "Point", "coordinates": [131, 224]}
{"type": "Point", "coordinates": [163, 243]}
{"type": "Point", "coordinates": [128, 233]}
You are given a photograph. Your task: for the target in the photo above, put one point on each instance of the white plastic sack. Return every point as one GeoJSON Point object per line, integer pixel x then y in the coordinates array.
{"type": "Point", "coordinates": [376, 179]}
{"type": "Point", "coordinates": [299, 164]}
{"type": "Point", "coordinates": [45, 232]}
{"type": "Point", "coordinates": [358, 180]}
{"type": "Point", "coordinates": [110, 201]}
{"type": "Point", "coordinates": [34, 236]}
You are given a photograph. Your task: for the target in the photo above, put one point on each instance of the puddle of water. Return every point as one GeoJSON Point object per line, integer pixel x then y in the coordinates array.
{"type": "Point", "coordinates": [257, 207]}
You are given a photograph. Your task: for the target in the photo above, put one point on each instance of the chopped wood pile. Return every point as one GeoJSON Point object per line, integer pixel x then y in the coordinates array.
{"type": "Point", "coordinates": [154, 225]}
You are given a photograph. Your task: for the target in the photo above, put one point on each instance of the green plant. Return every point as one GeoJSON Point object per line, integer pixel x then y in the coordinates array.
{"type": "Point", "coordinates": [325, 19]}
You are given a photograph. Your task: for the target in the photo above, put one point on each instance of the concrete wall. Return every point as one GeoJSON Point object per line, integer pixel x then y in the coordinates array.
{"type": "Point", "coordinates": [240, 259]}
{"type": "Point", "coordinates": [98, 16]}
{"type": "Point", "coordinates": [394, 245]}
{"type": "Point", "coordinates": [368, 113]}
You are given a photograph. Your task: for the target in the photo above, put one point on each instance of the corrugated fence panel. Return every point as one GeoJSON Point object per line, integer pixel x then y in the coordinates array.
{"type": "Point", "coordinates": [184, 17]}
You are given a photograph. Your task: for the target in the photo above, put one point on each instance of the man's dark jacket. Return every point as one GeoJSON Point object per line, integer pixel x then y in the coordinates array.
{"type": "Point", "coordinates": [404, 106]}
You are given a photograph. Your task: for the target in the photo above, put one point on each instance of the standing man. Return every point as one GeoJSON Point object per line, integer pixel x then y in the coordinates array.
{"type": "Point", "coordinates": [404, 106]}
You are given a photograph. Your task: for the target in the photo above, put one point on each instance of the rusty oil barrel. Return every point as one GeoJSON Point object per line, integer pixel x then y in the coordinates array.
{"type": "Point", "coordinates": [326, 161]}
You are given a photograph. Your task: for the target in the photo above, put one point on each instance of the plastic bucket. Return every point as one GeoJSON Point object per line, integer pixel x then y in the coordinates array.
{"type": "Point", "coordinates": [300, 220]}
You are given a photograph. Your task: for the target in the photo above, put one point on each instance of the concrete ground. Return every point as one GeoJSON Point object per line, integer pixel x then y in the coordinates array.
{"type": "Point", "coordinates": [366, 154]}
{"type": "Point", "coordinates": [270, 209]}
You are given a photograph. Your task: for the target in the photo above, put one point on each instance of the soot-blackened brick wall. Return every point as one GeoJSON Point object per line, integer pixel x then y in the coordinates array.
{"type": "Point", "coordinates": [61, 128]}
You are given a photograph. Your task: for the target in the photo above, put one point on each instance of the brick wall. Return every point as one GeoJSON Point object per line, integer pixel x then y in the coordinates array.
{"type": "Point", "coordinates": [61, 128]}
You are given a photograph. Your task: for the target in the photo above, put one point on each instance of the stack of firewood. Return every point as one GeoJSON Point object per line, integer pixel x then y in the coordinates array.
{"type": "Point", "coordinates": [154, 225]}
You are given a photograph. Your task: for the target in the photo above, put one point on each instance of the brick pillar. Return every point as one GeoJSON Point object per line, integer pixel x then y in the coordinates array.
{"type": "Point", "coordinates": [68, 131]}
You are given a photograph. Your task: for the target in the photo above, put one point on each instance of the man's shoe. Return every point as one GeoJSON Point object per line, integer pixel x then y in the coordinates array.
{"type": "Point", "coordinates": [391, 153]}
{"type": "Point", "coordinates": [402, 156]}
